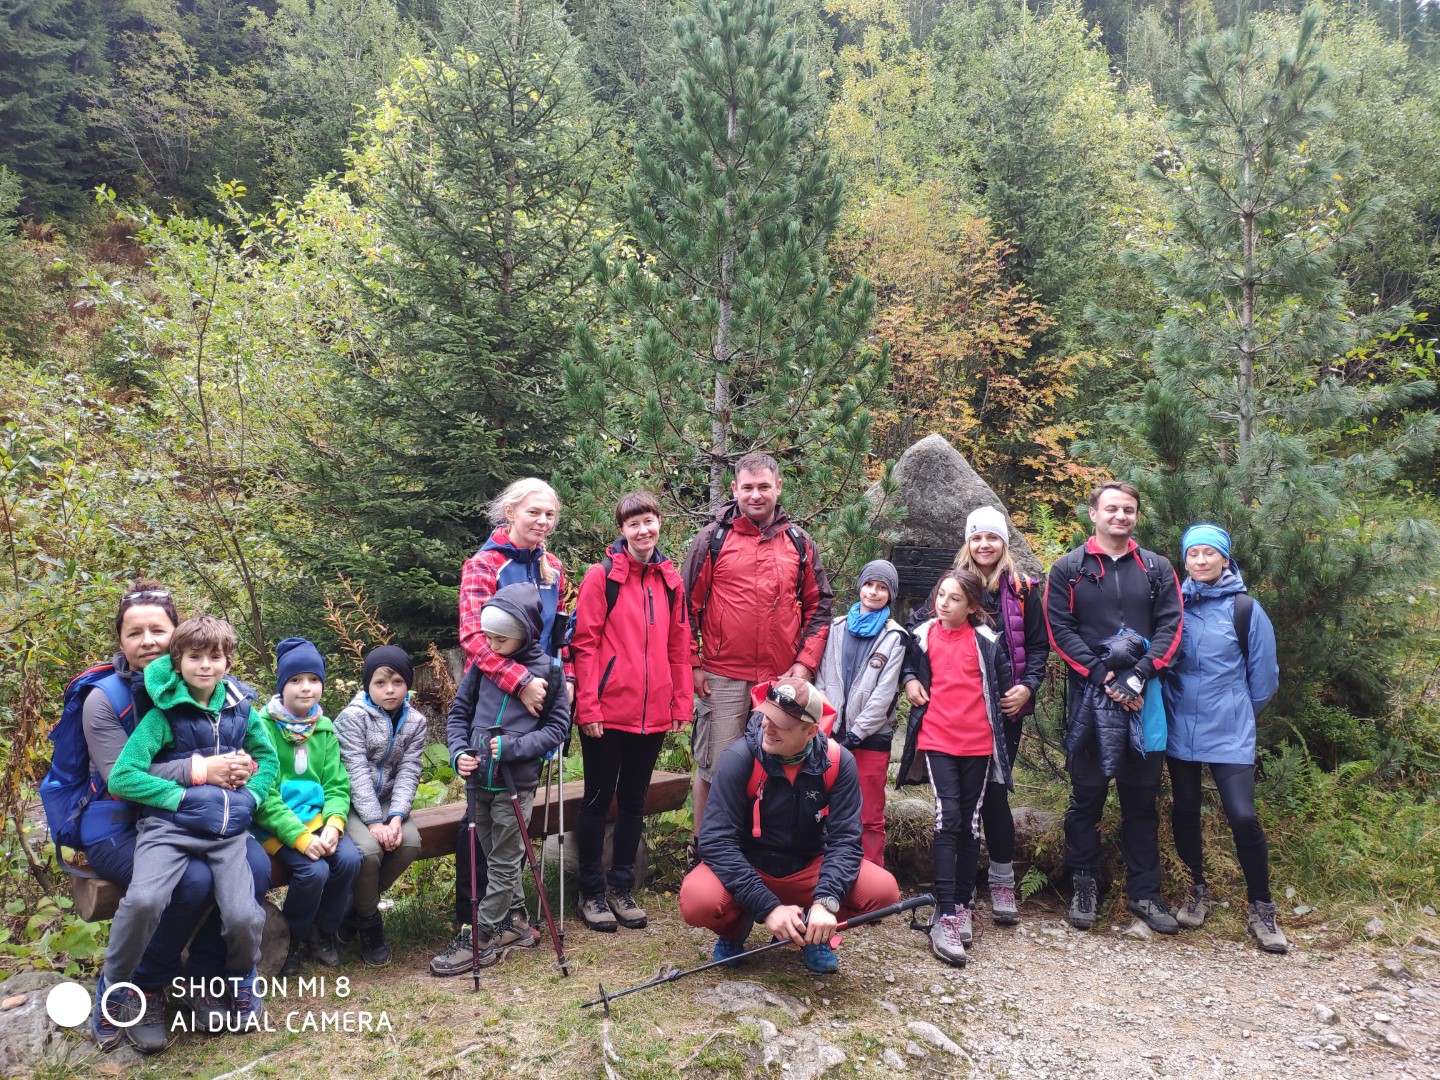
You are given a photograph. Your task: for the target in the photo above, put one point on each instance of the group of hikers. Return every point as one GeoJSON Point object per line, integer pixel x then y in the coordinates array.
{"type": "Point", "coordinates": [192, 785]}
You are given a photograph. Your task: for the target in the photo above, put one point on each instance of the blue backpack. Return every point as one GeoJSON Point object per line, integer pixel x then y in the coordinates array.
{"type": "Point", "coordinates": [72, 783]}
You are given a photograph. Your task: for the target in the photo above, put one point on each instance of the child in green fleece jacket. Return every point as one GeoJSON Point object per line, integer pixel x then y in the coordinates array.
{"type": "Point", "coordinates": [302, 823]}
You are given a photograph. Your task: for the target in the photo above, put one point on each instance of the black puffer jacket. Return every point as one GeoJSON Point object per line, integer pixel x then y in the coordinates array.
{"type": "Point", "coordinates": [1099, 720]}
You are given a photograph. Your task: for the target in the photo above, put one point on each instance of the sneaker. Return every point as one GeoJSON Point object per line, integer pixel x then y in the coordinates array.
{"type": "Point", "coordinates": [121, 1006]}
{"type": "Point", "coordinates": [1083, 901]}
{"type": "Point", "coordinates": [629, 914]}
{"type": "Point", "coordinates": [967, 923]}
{"type": "Point", "coordinates": [211, 1012]}
{"type": "Point", "coordinates": [323, 948]}
{"type": "Point", "coordinates": [1003, 911]}
{"type": "Point", "coordinates": [249, 1014]}
{"type": "Point", "coordinates": [148, 1034]}
{"type": "Point", "coordinates": [1154, 914]}
{"type": "Point", "coordinates": [457, 959]}
{"type": "Point", "coordinates": [1191, 914]}
{"type": "Point", "coordinates": [1262, 924]}
{"type": "Point", "coordinates": [596, 914]}
{"type": "Point", "coordinates": [514, 934]}
{"type": "Point", "coordinates": [821, 959]}
{"type": "Point", "coordinates": [945, 940]}
{"type": "Point", "coordinates": [295, 958]}
{"type": "Point", "coordinates": [730, 950]}
{"type": "Point", "coordinates": [374, 949]}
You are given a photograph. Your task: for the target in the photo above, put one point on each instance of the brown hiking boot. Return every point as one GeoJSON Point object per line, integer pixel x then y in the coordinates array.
{"type": "Point", "coordinates": [627, 912]}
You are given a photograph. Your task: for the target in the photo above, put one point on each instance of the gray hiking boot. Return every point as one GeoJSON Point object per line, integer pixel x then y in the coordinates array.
{"type": "Point", "coordinates": [1154, 914]}
{"type": "Point", "coordinates": [1003, 911]}
{"type": "Point", "coordinates": [966, 917]}
{"type": "Point", "coordinates": [1083, 901]}
{"type": "Point", "coordinates": [457, 958]}
{"type": "Point", "coordinates": [629, 914]}
{"type": "Point", "coordinates": [945, 940]}
{"type": "Point", "coordinates": [1197, 906]}
{"type": "Point", "coordinates": [1262, 924]}
{"type": "Point", "coordinates": [149, 1034]}
{"type": "Point", "coordinates": [595, 913]}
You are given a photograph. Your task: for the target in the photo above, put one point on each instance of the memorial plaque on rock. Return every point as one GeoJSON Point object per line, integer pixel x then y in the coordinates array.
{"type": "Point", "coordinates": [919, 568]}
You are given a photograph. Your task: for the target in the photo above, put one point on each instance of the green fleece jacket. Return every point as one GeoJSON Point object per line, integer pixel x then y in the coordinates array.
{"type": "Point", "coordinates": [312, 790]}
{"type": "Point", "coordinates": [131, 779]}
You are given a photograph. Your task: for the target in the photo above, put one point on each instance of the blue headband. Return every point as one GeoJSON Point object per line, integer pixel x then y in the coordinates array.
{"type": "Point", "coordinates": [1209, 535]}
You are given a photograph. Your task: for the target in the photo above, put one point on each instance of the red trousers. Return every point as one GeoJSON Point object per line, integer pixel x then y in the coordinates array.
{"type": "Point", "coordinates": [872, 766]}
{"type": "Point", "coordinates": [705, 902]}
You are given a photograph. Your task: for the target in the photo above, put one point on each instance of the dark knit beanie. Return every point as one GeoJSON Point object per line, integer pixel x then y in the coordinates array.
{"type": "Point", "coordinates": [391, 656]}
{"type": "Point", "coordinates": [297, 656]}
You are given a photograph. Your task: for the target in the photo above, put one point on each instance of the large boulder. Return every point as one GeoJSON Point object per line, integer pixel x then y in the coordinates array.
{"type": "Point", "coordinates": [937, 491]}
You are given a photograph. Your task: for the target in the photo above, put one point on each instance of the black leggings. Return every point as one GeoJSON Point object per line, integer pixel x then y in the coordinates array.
{"type": "Point", "coordinates": [1237, 796]}
{"type": "Point", "coordinates": [618, 765]}
{"type": "Point", "coordinates": [995, 814]}
{"type": "Point", "coordinates": [959, 786]}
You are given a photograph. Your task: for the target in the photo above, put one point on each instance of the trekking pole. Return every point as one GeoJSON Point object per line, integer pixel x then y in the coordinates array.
{"type": "Point", "coordinates": [472, 786]}
{"type": "Point", "coordinates": [672, 974]}
{"type": "Point", "coordinates": [560, 765]}
{"type": "Point", "coordinates": [524, 825]}
{"type": "Point", "coordinates": [545, 831]}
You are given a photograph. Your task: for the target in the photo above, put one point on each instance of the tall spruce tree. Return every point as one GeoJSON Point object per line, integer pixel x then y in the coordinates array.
{"type": "Point", "coordinates": [726, 334]}
{"type": "Point", "coordinates": [1262, 414]}
{"type": "Point", "coordinates": [480, 165]}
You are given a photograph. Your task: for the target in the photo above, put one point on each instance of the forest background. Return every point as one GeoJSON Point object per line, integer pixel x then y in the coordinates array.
{"type": "Point", "coordinates": [289, 290]}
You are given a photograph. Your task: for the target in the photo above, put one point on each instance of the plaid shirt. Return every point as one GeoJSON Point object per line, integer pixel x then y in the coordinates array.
{"type": "Point", "coordinates": [479, 581]}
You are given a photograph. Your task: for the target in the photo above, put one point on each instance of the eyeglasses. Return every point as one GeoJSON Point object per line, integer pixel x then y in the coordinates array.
{"type": "Point", "coordinates": [145, 594]}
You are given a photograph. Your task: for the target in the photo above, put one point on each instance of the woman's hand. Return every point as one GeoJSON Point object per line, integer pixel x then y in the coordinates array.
{"type": "Point", "coordinates": [916, 694]}
{"type": "Point", "coordinates": [1014, 699]}
{"type": "Point", "coordinates": [594, 729]}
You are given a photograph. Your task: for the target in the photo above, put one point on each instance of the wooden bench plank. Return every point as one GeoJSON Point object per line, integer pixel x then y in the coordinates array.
{"type": "Point", "coordinates": [96, 898]}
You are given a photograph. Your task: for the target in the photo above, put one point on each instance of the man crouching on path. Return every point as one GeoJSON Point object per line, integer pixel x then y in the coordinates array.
{"type": "Point", "coordinates": [760, 604]}
{"type": "Point", "coordinates": [781, 839]}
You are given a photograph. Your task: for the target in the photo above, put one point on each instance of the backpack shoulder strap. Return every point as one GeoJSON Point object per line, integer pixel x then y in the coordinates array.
{"type": "Point", "coordinates": [717, 538]}
{"type": "Point", "coordinates": [612, 588]}
{"type": "Point", "coordinates": [1244, 613]}
{"type": "Point", "coordinates": [802, 549]}
{"type": "Point", "coordinates": [832, 767]}
{"type": "Point", "coordinates": [553, 685]}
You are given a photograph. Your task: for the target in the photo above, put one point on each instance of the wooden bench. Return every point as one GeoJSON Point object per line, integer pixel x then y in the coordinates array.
{"type": "Point", "coordinates": [96, 898]}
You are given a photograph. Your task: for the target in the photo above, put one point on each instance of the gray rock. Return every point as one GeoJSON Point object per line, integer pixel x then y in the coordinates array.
{"type": "Point", "coordinates": [1428, 910]}
{"type": "Point", "coordinates": [812, 1056]}
{"type": "Point", "coordinates": [29, 1038]}
{"type": "Point", "coordinates": [937, 491]}
{"type": "Point", "coordinates": [1032, 823]}
{"type": "Point", "coordinates": [274, 940]}
{"type": "Point", "coordinates": [1325, 1040]}
{"type": "Point", "coordinates": [1396, 968]}
{"type": "Point", "coordinates": [935, 1037]}
{"type": "Point", "coordinates": [894, 1060]}
{"type": "Point", "coordinates": [1375, 927]}
{"type": "Point", "coordinates": [1389, 1035]}
{"type": "Point", "coordinates": [1138, 930]}
{"type": "Point", "coordinates": [1325, 1014]}
{"type": "Point", "coordinates": [768, 1030]}
{"type": "Point", "coordinates": [915, 1050]}
{"type": "Point", "coordinates": [748, 997]}
{"type": "Point", "coordinates": [551, 851]}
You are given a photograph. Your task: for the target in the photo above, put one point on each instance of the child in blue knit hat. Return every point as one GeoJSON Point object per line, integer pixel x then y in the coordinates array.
{"type": "Point", "coordinates": [302, 823]}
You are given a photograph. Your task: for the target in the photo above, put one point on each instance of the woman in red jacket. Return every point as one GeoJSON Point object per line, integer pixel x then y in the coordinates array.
{"type": "Point", "coordinates": [631, 651]}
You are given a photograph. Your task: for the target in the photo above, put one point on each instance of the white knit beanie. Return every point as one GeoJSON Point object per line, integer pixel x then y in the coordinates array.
{"type": "Point", "coordinates": [987, 519]}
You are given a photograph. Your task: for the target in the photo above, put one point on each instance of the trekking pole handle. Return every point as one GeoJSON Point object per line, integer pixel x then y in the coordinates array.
{"type": "Point", "coordinates": [923, 900]}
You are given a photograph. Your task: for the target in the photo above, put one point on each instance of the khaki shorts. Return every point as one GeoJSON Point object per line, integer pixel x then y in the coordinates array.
{"type": "Point", "coordinates": [719, 720]}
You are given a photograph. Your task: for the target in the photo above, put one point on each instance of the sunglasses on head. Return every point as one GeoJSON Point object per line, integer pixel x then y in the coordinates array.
{"type": "Point", "coordinates": [784, 697]}
{"type": "Point", "coordinates": [145, 594]}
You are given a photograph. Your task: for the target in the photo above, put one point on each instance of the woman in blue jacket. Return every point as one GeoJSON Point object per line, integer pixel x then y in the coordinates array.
{"type": "Point", "coordinates": [1217, 686]}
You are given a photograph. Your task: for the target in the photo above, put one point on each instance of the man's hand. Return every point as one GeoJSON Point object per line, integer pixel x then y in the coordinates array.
{"type": "Point", "coordinates": [915, 693]}
{"type": "Point", "coordinates": [1014, 699]}
{"type": "Point", "coordinates": [533, 696]}
{"type": "Point", "coordinates": [787, 921]}
{"type": "Point", "coordinates": [797, 670]}
{"type": "Point", "coordinates": [821, 927]}
{"type": "Point", "coordinates": [702, 682]}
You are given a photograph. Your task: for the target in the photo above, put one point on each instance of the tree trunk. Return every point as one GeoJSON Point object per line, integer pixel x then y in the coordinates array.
{"type": "Point", "coordinates": [1246, 380]}
{"type": "Point", "coordinates": [720, 413]}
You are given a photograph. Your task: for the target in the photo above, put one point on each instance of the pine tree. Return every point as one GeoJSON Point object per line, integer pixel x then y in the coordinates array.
{"type": "Point", "coordinates": [480, 166]}
{"type": "Point", "coordinates": [726, 332]}
{"type": "Point", "coordinates": [1262, 414]}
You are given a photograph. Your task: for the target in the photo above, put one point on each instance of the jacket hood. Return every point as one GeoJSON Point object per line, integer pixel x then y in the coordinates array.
{"type": "Point", "coordinates": [522, 600]}
{"type": "Point", "coordinates": [1229, 583]}
{"type": "Point", "coordinates": [168, 690]}
{"type": "Point", "coordinates": [500, 541]}
{"type": "Point", "coordinates": [817, 762]}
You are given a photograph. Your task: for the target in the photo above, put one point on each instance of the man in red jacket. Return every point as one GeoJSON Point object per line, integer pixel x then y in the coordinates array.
{"type": "Point", "coordinates": [760, 606]}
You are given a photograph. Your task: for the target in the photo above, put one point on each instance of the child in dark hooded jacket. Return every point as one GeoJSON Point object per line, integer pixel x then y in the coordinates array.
{"type": "Point", "coordinates": [513, 625]}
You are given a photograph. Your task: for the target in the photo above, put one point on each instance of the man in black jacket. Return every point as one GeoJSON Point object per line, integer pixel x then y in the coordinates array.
{"type": "Point", "coordinates": [1107, 585]}
{"type": "Point", "coordinates": [781, 836]}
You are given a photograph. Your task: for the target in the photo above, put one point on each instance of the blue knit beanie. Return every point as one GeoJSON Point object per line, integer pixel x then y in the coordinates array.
{"type": "Point", "coordinates": [1209, 535]}
{"type": "Point", "coordinates": [297, 656]}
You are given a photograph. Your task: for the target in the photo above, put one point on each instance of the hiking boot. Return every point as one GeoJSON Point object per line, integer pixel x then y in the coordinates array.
{"type": "Point", "coordinates": [374, 949]}
{"type": "Point", "coordinates": [729, 950]}
{"type": "Point", "coordinates": [457, 959]}
{"type": "Point", "coordinates": [323, 947]}
{"type": "Point", "coordinates": [148, 1034]}
{"type": "Point", "coordinates": [1154, 914]}
{"type": "Point", "coordinates": [821, 959]}
{"type": "Point", "coordinates": [1083, 901]}
{"type": "Point", "coordinates": [1262, 924]}
{"type": "Point", "coordinates": [249, 1014]}
{"type": "Point", "coordinates": [513, 934]}
{"type": "Point", "coordinates": [210, 1012]}
{"type": "Point", "coordinates": [630, 914]}
{"type": "Point", "coordinates": [295, 958]}
{"type": "Point", "coordinates": [966, 918]}
{"type": "Point", "coordinates": [945, 940]}
{"type": "Point", "coordinates": [120, 1005]}
{"type": "Point", "coordinates": [349, 928]}
{"type": "Point", "coordinates": [1191, 914]}
{"type": "Point", "coordinates": [1003, 911]}
{"type": "Point", "coordinates": [596, 914]}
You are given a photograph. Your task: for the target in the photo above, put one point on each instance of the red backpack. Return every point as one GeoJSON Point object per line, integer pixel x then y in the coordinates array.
{"type": "Point", "coordinates": [756, 788]}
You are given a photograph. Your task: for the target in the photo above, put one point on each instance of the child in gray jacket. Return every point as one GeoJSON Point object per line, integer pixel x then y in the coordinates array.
{"type": "Point", "coordinates": [382, 738]}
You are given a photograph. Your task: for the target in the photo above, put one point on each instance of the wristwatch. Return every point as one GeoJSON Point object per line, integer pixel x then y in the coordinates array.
{"type": "Point", "coordinates": [829, 903]}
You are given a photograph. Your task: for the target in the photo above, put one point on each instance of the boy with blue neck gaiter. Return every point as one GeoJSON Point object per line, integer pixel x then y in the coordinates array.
{"type": "Point", "coordinates": [302, 823]}
{"type": "Point", "coordinates": [860, 676]}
